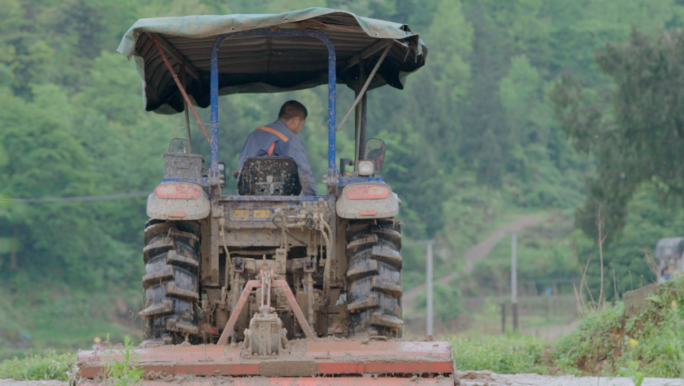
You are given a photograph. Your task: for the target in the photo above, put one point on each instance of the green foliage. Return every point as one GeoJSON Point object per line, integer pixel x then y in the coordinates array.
{"type": "Point", "coordinates": [544, 260]}
{"type": "Point", "coordinates": [61, 317]}
{"type": "Point", "coordinates": [471, 142]}
{"type": "Point", "coordinates": [447, 296]}
{"type": "Point", "coordinates": [632, 129]}
{"type": "Point", "coordinates": [608, 342]}
{"type": "Point", "coordinates": [632, 372]}
{"type": "Point", "coordinates": [47, 365]}
{"type": "Point", "coordinates": [506, 354]}
{"type": "Point", "coordinates": [646, 222]}
{"type": "Point", "coordinates": [124, 372]}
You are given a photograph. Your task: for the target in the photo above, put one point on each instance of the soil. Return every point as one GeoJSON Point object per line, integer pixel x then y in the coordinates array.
{"type": "Point", "coordinates": [467, 378]}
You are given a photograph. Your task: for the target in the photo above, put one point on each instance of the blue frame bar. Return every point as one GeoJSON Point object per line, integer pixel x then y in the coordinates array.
{"type": "Point", "coordinates": [332, 93]}
{"type": "Point", "coordinates": [204, 181]}
{"type": "Point", "coordinates": [347, 181]}
{"type": "Point", "coordinates": [273, 198]}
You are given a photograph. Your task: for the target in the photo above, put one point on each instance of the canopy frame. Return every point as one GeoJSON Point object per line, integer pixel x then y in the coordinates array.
{"type": "Point", "coordinates": [332, 94]}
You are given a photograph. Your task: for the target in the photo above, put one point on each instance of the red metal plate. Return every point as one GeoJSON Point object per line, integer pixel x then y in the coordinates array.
{"type": "Point", "coordinates": [309, 381]}
{"type": "Point", "coordinates": [208, 369]}
{"type": "Point", "coordinates": [408, 367]}
{"type": "Point", "coordinates": [172, 354]}
{"type": "Point", "coordinates": [432, 350]}
{"type": "Point", "coordinates": [338, 357]}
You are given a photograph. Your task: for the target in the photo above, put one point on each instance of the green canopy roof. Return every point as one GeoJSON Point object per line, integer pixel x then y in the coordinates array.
{"type": "Point", "coordinates": [264, 64]}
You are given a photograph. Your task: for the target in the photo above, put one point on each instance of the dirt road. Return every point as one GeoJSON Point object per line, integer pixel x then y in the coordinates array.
{"type": "Point", "coordinates": [476, 252]}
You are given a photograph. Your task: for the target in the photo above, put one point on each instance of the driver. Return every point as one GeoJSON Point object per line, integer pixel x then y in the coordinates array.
{"type": "Point", "coordinates": [280, 139]}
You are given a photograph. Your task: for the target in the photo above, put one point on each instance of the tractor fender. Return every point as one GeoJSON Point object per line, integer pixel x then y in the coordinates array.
{"type": "Point", "coordinates": [367, 208]}
{"type": "Point", "coordinates": [177, 208]}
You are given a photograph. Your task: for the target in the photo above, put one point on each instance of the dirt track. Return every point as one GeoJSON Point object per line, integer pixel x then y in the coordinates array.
{"type": "Point", "coordinates": [476, 252]}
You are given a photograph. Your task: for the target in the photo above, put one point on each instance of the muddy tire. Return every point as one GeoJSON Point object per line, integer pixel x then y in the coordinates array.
{"type": "Point", "coordinates": [171, 280]}
{"type": "Point", "coordinates": [374, 278]}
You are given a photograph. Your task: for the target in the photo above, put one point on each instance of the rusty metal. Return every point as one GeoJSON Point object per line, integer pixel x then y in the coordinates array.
{"type": "Point", "coordinates": [248, 224]}
{"type": "Point", "coordinates": [214, 276]}
{"type": "Point", "coordinates": [180, 87]}
{"type": "Point", "coordinates": [237, 309]}
{"type": "Point", "coordinates": [308, 382]}
{"type": "Point", "coordinates": [429, 360]}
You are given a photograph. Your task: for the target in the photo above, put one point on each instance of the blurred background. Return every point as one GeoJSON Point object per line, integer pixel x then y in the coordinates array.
{"type": "Point", "coordinates": [478, 146]}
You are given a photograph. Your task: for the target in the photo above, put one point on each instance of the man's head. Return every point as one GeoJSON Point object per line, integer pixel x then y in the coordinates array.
{"type": "Point", "coordinates": [294, 115]}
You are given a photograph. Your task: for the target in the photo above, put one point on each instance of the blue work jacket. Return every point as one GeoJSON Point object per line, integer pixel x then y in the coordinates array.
{"type": "Point", "coordinates": [279, 140]}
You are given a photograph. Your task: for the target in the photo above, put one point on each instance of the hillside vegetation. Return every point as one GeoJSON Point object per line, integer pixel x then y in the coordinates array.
{"type": "Point", "coordinates": [472, 140]}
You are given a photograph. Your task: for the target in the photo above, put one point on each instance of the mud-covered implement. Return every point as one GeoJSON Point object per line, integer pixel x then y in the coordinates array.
{"type": "Point", "coordinates": [323, 362]}
{"type": "Point", "coordinates": [266, 286]}
{"type": "Point", "coordinates": [266, 353]}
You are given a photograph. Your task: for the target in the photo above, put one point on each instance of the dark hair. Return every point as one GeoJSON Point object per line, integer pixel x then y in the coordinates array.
{"type": "Point", "coordinates": [292, 109]}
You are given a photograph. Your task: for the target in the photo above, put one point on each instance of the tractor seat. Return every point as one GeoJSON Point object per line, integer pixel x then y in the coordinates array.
{"type": "Point", "coordinates": [269, 176]}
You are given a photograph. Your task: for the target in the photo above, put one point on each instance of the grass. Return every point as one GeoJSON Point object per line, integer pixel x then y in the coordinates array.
{"type": "Point", "coordinates": [607, 341]}
{"type": "Point", "coordinates": [51, 365]}
{"type": "Point", "coordinates": [64, 320]}
{"type": "Point", "coordinates": [650, 344]}
{"type": "Point", "coordinates": [47, 365]}
{"type": "Point", "coordinates": [504, 354]}
{"type": "Point", "coordinates": [125, 371]}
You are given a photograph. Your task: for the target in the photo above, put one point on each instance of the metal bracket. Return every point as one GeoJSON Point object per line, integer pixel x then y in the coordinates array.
{"type": "Point", "coordinates": [252, 284]}
{"type": "Point", "coordinates": [175, 55]}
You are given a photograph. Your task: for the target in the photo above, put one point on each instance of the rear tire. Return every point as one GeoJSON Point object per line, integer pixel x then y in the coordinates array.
{"type": "Point", "coordinates": [374, 277]}
{"type": "Point", "coordinates": [171, 280]}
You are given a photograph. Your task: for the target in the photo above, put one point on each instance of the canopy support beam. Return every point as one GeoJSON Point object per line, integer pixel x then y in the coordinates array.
{"type": "Point", "coordinates": [175, 55]}
{"type": "Point", "coordinates": [181, 88]}
{"type": "Point", "coordinates": [185, 109]}
{"type": "Point", "coordinates": [332, 176]}
{"type": "Point", "coordinates": [360, 133]}
{"type": "Point", "coordinates": [365, 86]}
{"type": "Point", "coordinates": [365, 54]}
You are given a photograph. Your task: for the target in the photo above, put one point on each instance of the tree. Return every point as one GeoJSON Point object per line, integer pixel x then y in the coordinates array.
{"type": "Point", "coordinates": [634, 130]}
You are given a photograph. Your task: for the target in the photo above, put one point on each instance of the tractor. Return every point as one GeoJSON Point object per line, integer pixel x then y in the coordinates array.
{"type": "Point", "coordinates": [235, 284]}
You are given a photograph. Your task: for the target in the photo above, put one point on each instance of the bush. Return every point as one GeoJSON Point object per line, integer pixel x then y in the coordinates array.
{"type": "Point", "coordinates": [607, 341]}
{"type": "Point", "coordinates": [505, 354]}
{"type": "Point", "coordinates": [48, 365]}
{"type": "Point", "coordinates": [447, 296]}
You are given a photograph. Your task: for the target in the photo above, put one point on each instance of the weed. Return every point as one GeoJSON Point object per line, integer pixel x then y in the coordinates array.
{"type": "Point", "coordinates": [123, 372]}
{"type": "Point", "coordinates": [608, 341]}
{"type": "Point", "coordinates": [505, 354]}
{"type": "Point", "coordinates": [632, 372]}
{"type": "Point", "coordinates": [48, 365]}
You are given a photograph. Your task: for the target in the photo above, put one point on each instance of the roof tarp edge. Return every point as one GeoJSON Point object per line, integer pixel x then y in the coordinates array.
{"type": "Point", "coordinates": [346, 30]}
{"type": "Point", "coordinates": [213, 25]}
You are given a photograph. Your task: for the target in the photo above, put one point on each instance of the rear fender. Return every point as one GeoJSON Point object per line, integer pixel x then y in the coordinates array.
{"type": "Point", "coordinates": [178, 209]}
{"type": "Point", "coordinates": [367, 209]}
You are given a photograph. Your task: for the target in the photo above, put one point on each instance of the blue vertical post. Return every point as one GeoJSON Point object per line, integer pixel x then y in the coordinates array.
{"type": "Point", "coordinates": [332, 106]}
{"type": "Point", "coordinates": [332, 91]}
{"type": "Point", "coordinates": [213, 95]}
